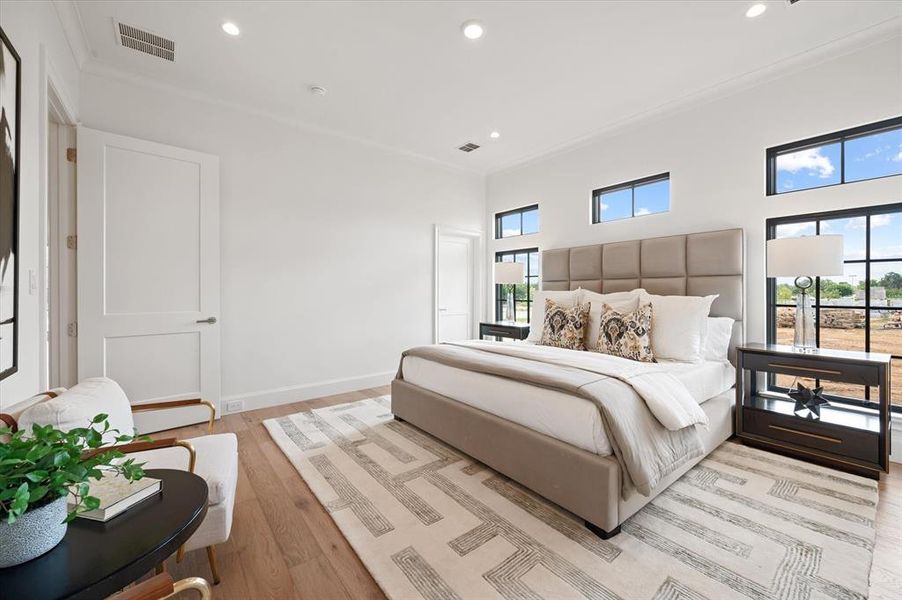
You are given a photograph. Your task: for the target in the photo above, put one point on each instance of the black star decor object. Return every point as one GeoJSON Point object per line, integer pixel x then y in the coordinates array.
{"type": "Point", "coordinates": [808, 401]}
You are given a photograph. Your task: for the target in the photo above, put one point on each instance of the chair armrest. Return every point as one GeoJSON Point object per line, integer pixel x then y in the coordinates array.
{"type": "Point", "coordinates": [177, 404]}
{"type": "Point", "coordinates": [158, 586]}
{"type": "Point", "coordinates": [151, 445]}
{"type": "Point", "coordinates": [9, 421]}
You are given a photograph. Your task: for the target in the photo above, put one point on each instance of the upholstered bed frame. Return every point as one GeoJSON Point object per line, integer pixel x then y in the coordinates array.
{"type": "Point", "coordinates": [584, 483]}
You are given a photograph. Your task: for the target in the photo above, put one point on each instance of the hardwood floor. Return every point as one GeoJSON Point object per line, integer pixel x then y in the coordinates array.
{"type": "Point", "coordinates": [284, 544]}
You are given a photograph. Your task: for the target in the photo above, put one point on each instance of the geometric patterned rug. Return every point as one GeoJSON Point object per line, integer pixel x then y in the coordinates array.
{"type": "Point", "coordinates": [429, 522]}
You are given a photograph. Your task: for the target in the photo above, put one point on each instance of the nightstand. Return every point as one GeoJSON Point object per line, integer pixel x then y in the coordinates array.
{"type": "Point", "coordinates": [845, 437]}
{"type": "Point", "coordinates": [504, 329]}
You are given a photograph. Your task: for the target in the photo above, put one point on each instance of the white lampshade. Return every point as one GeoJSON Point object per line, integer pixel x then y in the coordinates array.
{"type": "Point", "coordinates": [509, 272]}
{"type": "Point", "coordinates": [811, 256]}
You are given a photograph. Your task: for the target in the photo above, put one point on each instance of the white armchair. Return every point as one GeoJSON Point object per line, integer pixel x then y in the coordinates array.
{"type": "Point", "coordinates": [213, 457]}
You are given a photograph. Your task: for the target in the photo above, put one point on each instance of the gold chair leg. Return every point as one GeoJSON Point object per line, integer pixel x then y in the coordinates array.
{"type": "Point", "coordinates": [214, 568]}
{"type": "Point", "coordinates": [180, 554]}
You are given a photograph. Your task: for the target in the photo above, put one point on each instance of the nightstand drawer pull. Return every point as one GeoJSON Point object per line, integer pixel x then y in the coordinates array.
{"type": "Point", "coordinates": [826, 438]}
{"type": "Point", "coordinates": [809, 369]}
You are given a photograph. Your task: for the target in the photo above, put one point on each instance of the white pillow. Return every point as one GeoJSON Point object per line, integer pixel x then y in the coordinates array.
{"type": "Point", "coordinates": [566, 299]}
{"type": "Point", "coordinates": [717, 340]}
{"type": "Point", "coordinates": [678, 325]}
{"type": "Point", "coordinates": [622, 302]}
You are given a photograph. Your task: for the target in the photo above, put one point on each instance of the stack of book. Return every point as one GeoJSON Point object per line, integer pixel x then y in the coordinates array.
{"type": "Point", "coordinates": [117, 494]}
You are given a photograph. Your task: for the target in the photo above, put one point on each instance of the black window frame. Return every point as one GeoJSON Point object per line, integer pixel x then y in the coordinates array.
{"type": "Point", "coordinates": [514, 211]}
{"type": "Point", "coordinates": [771, 302]}
{"type": "Point", "coordinates": [500, 297]}
{"type": "Point", "coordinates": [628, 185]}
{"type": "Point", "coordinates": [840, 137]}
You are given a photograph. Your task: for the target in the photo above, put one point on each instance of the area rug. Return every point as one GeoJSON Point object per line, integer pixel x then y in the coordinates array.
{"type": "Point", "coordinates": [429, 522]}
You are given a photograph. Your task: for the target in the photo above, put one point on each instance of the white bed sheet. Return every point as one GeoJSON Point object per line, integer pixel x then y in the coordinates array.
{"type": "Point", "coordinates": [568, 418]}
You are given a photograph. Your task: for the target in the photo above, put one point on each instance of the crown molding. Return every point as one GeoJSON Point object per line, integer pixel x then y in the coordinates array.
{"type": "Point", "coordinates": [107, 70]}
{"type": "Point", "coordinates": [74, 30]}
{"type": "Point", "coordinates": [859, 40]}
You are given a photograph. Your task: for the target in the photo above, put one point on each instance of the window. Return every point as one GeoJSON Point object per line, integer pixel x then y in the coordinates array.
{"type": "Point", "coordinates": [860, 310]}
{"type": "Point", "coordinates": [632, 199]}
{"type": "Point", "coordinates": [523, 292]}
{"type": "Point", "coordinates": [520, 221]}
{"type": "Point", "coordinates": [866, 152]}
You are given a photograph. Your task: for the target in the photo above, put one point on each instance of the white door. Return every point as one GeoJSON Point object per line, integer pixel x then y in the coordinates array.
{"type": "Point", "coordinates": [148, 272]}
{"type": "Point", "coordinates": [454, 287]}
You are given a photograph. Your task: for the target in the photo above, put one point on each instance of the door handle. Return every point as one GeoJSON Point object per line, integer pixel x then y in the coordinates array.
{"type": "Point", "coordinates": [209, 320]}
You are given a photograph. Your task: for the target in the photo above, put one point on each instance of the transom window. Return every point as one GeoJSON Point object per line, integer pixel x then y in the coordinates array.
{"type": "Point", "coordinates": [520, 221]}
{"type": "Point", "coordinates": [867, 152]}
{"type": "Point", "coordinates": [645, 196]}
{"type": "Point", "coordinates": [523, 292]}
{"type": "Point", "coordinates": [859, 310]}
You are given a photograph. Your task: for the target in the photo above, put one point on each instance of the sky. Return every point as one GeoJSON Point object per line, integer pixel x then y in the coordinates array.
{"type": "Point", "coordinates": [867, 157]}
{"type": "Point", "coordinates": [649, 198]}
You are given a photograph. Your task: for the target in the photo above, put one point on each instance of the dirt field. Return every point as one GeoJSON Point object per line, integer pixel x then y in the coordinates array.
{"type": "Point", "coordinates": [882, 340]}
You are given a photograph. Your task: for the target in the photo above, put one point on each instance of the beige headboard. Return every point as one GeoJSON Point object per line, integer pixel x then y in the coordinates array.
{"type": "Point", "coordinates": [696, 264]}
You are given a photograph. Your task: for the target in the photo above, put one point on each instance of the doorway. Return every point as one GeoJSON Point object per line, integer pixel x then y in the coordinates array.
{"type": "Point", "coordinates": [458, 286]}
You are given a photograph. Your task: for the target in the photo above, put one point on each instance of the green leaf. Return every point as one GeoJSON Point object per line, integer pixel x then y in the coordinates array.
{"type": "Point", "coordinates": [100, 418]}
{"type": "Point", "coordinates": [91, 502]}
{"type": "Point", "coordinates": [60, 458]}
{"type": "Point", "coordinates": [37, 493]}
{"type": "Point", "coordinates": [70, 517]}
{"type": "Point", "coordinates": [37, 476]}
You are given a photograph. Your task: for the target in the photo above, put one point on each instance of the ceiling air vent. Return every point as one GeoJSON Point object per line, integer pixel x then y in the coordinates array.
{"type": "Point", "coordinates": [144, 41]}
{"type": "Point", "coordinates": [468, 147]}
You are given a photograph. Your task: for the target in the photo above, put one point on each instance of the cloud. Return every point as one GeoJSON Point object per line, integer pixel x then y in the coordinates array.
{"type": "Point", "coordinates": [794, 229]}
{"type": "Point", "coordinates": [898, 157]}
{"type": "Point", "coordinates": [642, 211]}
{"type": "Point", "coordinates": [881, 220]}
{"type": "Point", "coordinates": [810, 159]}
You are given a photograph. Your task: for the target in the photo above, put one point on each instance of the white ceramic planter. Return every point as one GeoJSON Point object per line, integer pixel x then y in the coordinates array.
{"type": "Point", "coordinates": [34, 533]}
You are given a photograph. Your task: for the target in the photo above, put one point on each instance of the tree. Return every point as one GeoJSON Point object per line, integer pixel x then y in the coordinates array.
{"type": "Point", "coordinates": [892, 281]}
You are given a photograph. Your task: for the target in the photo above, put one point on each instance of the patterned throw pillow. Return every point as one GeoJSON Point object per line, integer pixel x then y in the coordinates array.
{"type": "Point", "coordinates": [626, 334]}
{"type": "Point", "coordinates": [565, 327]}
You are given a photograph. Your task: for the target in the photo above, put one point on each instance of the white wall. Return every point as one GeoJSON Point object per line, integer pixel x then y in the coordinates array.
{"type": "Point", "coordinates": [326, 242]}
{"type": "Point", "coordinates": [715, 154]}
{"type": "Point", "coordinates": [35, 32]}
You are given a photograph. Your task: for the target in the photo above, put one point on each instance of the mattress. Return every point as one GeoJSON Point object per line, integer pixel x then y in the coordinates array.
{"type": "Point", "coordinates": [571, 419]}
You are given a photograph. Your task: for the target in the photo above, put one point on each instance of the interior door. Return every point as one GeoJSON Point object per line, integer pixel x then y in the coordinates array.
{"type": "Point", "coordinates": [454, 287]}
{"type": "Point", "coordinates": [148, 272]}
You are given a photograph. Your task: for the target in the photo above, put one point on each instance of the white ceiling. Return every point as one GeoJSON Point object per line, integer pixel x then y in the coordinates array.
{"type": "Point", "coordinates": [401, 74]}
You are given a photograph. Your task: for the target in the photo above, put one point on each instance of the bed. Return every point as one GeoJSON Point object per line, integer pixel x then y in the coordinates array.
{"type": "Point", "coordinates": [555, 442]}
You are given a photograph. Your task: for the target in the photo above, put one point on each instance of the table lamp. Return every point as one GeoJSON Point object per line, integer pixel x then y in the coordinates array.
{"type": "Point", "coordinates": [805, 258]}
{"type": "Point", "coordinates": [510, 273]}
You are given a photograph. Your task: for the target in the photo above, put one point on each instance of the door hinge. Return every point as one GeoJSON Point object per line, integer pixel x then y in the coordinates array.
{"type": "Point", "coordinates": [72, 242]}
{"type": "Point", "coordinates": [72, 329]}
{"type": "Point", "coordinates": [72, 155]}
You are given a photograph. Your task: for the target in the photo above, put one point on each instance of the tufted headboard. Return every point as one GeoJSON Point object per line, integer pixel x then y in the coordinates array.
{"type": "Point", "coordinates": [696, 264]}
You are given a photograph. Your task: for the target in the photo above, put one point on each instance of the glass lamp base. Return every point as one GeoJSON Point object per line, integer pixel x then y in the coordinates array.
{"type": "Point", "coordinates": [805, 337]}
{"type": "Point", "coordinates": [509, 308]}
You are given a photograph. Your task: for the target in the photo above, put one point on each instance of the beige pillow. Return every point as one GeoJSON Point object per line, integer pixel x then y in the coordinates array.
{"type": "Point", "coordinates": [565, 327]}
{"type": "Point", "coordinates": [627, 335]}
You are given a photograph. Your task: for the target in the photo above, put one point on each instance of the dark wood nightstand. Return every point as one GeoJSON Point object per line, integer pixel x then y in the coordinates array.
{"type": "Point", "coordinates": [845, 437]}
{"type": "Point", "coordinates": [504, 329]}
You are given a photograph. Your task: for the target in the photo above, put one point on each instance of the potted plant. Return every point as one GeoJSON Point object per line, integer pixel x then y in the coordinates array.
{"type": "Point", "coordinates": [40, 469]}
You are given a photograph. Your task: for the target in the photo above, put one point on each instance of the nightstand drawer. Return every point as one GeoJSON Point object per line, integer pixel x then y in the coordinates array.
{"type": "Point", "coordinates": [499, 331]}
{"type": "Point", "coordinates": [844, 441]}
{"type": "Point", "coordinates": [813, 367]}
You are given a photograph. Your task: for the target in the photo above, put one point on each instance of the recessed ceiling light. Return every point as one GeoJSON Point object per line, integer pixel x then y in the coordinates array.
{"type": "Point", "coordinates": [494, 135]}
{"type": "Point", "coordinates": [755, 10]}
{"type": "Point", "coordinates": [472, 29]}
{"type": "Point", "coordinates": [230, 28]}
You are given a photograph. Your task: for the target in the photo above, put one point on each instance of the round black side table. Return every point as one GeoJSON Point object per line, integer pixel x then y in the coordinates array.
{"type": "Point", "coordinates": [97, 559]}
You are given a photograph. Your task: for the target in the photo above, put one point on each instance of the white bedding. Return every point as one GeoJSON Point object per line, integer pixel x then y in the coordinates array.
{"type": "Point", "coordinates": [568, 418]}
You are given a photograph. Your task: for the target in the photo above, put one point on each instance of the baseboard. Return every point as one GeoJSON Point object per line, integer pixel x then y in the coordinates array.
{"type": "Point", "coordinates": [297, 393]}
{"type": "Point", "coordinates": [896, 439]}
